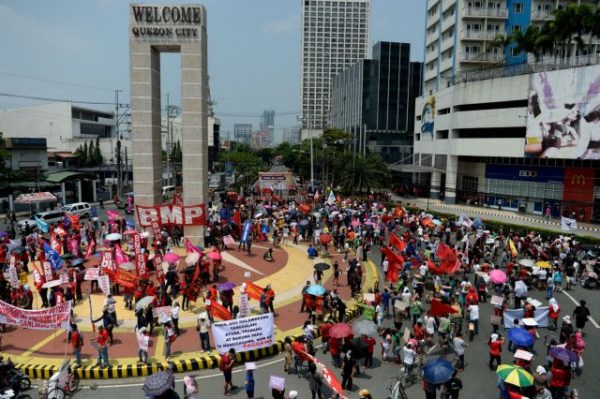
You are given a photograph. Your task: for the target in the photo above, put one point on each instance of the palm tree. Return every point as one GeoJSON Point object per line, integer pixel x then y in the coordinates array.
{"type": "Point", "coordinates": [526, 41]}
{"type": "Point", "coordinates": [362, 172]}
{"type": "Point", "coordinates": [564, 27]}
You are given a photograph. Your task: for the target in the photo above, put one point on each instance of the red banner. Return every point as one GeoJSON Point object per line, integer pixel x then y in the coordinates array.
{"type": "Point", "coordinates": [253, 291]}
{"type": "Point", "coordinates": [156, 231]}
{"type": "Point", "coordinates": [45, 319]}
{"type": "Point", "coordinates": [139, 256]}
{"type": "Point", "coordinates": [90, 249]}
{"type": "Point", "coordinates": [440, 309]}
{"type": "Point", "coordinates": [397, 242]}
{"type": "Point", "coordinates": [328, 376]}
{"type": "Point", "coordinates": [168, 214]}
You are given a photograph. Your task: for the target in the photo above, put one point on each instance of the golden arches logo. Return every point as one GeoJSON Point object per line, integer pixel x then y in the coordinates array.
{"type": "Point", "coordinates": [578, 180]}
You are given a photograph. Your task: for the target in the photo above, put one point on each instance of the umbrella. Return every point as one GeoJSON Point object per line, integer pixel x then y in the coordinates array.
{"type": "Point", "coordinates": [127, 266]}
{"type": "Point", "coordinates": [158, 383]}
{"type": "Point", "coordinates": [214, 255]}
{"type": "Point", "coordinates": [365, 327]}
{"type": "Point", "coordinates": [316, 289]}
{"type": "Point", "coordinates": [340, 330]}
{"type": "Point", "coordinates": [192, 258]}
{"type": "Point", "coordinates": [520, 337]}
{"type": "Point", "coordinates": [514, 375]}
{"type": "Point", "coordinates": [543, 264]}
{"type": "Point", "coordinates": [171, 257]}
{"type": "Point", "coordinates": [52, 284]}
{"type": "Point", "coordinates": [526, 262]}
{"type": "Point", "coordinates": [520, 288]}
{"type": "Point", "coordinates": [565, 355]}
{"type": "Point", "coordinates": [355, 223]}
{"type": "Point", "coordinates": [322, 266]}
{"type": "Point", "coordinates": [226, 286]}
{"type": "Point", "coordinates": [144, 302]}
{"type": "Point", "coordinates": [437, 371]}
{"type": "Point", "coordinates": [78, 261]}
{"type": "Point", "coordinates": [498, 276]}
{"type": "Point", "coordinates": [4, 234]}
{"type": "Point", "coordinates": [113, 237]}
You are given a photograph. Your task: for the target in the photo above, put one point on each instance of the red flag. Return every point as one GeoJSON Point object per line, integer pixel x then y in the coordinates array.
{"type": "Point", "coordinates": [253, 291]}
{"type": "Point", "coordinates": [392, 274]}
{"type": "Point", "coordinates": [237, 217]}
{"type": "Point", "coordinates": [435, 269]}
{"type": "Point", "coordinates": [55, 244]}
{"type": "Point", "coordinates": [90, 249]}
{"type": "Point", "coordinates": [397, 242]}
{"type": "Point", "coordinates": [440, 309]}
{"type": "Point", "coordinates": [217, 310]}
{"type": "Point", "coordinates": [313, 302]}
{"type": "Point", "coordinates": [392, 256]}
{"type": "Point", "coordinates": [189, 247]}
{"type": "Point", "coordinates": [120, 256]}
{"type": "Point", "coordinates": [445, 252]}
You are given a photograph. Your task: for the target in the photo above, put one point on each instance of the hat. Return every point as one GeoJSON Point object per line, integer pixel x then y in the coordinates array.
{"type": "Point", "coordinates": [494, 337]}
{"type": "Point", "coordinates": [250, 366]}
{"type": "Point", "coordinates": [363, 393]}
{"type": "Point", "coordinates": [567, 319]}
{"type": "Point", "coordinates": [293, 394]}
{"type": "Point", "coordinates": [540, 370]}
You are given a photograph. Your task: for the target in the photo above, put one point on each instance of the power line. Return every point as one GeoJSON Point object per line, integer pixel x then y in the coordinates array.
{"type": "Point", "coordinates": [60, 82]}
{"type": "Point", "coordinates": [62, 100]}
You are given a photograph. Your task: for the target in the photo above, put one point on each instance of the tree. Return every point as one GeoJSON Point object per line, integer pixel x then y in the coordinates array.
{"type": "Point", "coordinates": [98, 159]}
{"type": "Point", "coordinates": [84, 155]}
{"type": "Point", "coordinates": [90, 154]}
{"type": "Point", "coordinates": [176, 152]}
{"type": "Point", "coordinates": [4, 156]}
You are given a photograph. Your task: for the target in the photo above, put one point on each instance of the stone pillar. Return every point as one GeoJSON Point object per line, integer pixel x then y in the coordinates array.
{"type": "Point", "coordinates": [434, 189]}
{"type": "Point", "coordinates": [11, 204]}
{"type": "Point", "coordinates": [194, 120]}
{"type": "Point", "coordinates": [146, 122]}
{"type": "Point", "coordinates": [95, 191]}
{"type": "Point", "coordinates": [79, 194]}
{"type": "Point", "coordinates": [63, 191]}
{"type": "Point", "coordinates": [451, 170]}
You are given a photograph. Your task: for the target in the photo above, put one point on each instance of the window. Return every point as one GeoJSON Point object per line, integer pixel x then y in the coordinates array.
{"type": "Point", "coordinates": [514, 52]}
{"type": "Point", "coordinates": [518, 8]}
{"type": "Point", "coordinates": [516, 28]}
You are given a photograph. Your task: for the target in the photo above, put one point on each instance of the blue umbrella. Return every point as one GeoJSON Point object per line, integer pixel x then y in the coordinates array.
{"type": "Point", "coordinates": [520, 337]}
{"type": "Point", "coordinates": [316, 289]}
{"type": "Point", "coordinates": [437, 371]}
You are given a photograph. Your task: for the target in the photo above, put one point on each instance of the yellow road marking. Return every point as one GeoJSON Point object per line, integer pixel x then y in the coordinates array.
{"type": "Point", "coordinates": [42, 343]}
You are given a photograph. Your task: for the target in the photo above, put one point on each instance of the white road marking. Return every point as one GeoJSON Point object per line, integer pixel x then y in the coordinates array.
{"type": "Point", "coordinates": [232, 259]}
{"type": "Point", "coordinates": [577, 304]}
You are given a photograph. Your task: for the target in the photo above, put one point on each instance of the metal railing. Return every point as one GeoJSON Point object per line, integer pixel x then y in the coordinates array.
{"type": "Point", "coordinates": [545, 64]}
{"type": "Point", "coordinates": [485, 12]}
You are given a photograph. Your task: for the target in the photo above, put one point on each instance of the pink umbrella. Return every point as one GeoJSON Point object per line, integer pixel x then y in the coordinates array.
{"type": "Point", "coordinates": [171, 257]}
{"type": "Point", "coordinates": [214, 255]}
{"type": "Point", "coordinates": [497, 276]}
{"type": "Point", "coordinates": [355, 223]}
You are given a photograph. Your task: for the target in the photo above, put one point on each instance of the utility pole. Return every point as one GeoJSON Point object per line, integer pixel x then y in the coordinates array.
{"type": "Point", "coordinates": [169, 143]}
{"type": "Point", "coordinates": [118, 150]}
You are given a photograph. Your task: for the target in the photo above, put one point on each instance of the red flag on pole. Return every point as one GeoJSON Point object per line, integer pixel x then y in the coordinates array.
{"type": "Point", "coordinates": [438, 308]}
{"type": "Point", "coordinates": [254, 291]}
{"type": "Point", "coordinates": [397, 242]}
{"type": "Point", "coordinates": [219, 311]}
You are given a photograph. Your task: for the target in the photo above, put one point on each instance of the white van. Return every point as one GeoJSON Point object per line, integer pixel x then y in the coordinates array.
{"type": "Point", "coordinates": [82, 209]}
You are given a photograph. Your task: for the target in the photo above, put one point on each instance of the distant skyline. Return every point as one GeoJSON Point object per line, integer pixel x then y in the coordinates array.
{"type": "Point", "coordinates": [79, 50]}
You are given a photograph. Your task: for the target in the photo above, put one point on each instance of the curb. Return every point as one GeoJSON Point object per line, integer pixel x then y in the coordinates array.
{"type": "Point", "coordinates": [40, 371]}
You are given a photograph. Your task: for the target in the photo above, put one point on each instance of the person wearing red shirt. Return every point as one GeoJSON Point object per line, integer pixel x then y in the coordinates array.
{"type": "Point", "coordinates": [561, 379]}
{"type": "Point", "coordinates": [102, 341]}
{"type": "Point", "coordinates": [419, 331]}
{"type": "Point", "coordinates": [76, 343]}
{"type": "Point", "coordinates": [335, 350]}
{"type": "Point", "coordinates": [370, 341]}
{"type": "Point", "coordinates": [495, 344]}
{"type": "Point", "coordinates": [324, 330]}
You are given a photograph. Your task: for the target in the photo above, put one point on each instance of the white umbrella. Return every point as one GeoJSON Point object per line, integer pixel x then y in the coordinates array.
{"type": "Point", "coordinates": [127, 266]}
{"type": "Point", "coordinates": [520, 289]}
{"type": "Point", "coordinates": [113, 237]}
{"type": "Point", "coordinates": [526, 262]}
{"type": "Point", "coordinates": [192, 258]}
{"type": "Point", "coordinates": [144, 302]}
{"type": "Point", "coordinates": [52, 284]}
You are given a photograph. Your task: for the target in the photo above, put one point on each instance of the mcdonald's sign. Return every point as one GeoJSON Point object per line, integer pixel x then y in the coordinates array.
{"type": "Point", "coordinates": [578, 185]}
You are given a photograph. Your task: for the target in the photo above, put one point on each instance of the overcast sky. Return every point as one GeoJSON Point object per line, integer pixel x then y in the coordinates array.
{"type": "Point", "coordinates": [76, 49]}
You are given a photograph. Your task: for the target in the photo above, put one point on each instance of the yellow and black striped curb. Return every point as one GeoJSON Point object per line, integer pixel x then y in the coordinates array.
{"type": "Point", "coordinates": [45, 371]}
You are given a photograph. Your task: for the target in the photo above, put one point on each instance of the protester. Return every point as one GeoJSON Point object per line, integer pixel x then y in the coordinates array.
{"type": "Point", "coordinates": [226, 366]}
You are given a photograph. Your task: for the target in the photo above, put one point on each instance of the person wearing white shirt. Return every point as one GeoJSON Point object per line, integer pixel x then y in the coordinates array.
{"type": "Point", "coordinates": [408, 358]}
{"type": "Point", "coordinates": [175, 317]}
{"type": "Point", "coordinates": [423, 270]}
{"type": "Point", "coordinates": [474, 318]}
{"type": "Point", "coordinates": [459, 348]}
{"type": "Point", "coordinates": [385, 264]}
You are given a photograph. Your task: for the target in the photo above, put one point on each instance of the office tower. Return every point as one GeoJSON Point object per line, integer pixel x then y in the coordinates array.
{"type": "Point", "coordinates": [267, 125]}
{"type": "Point", "coordinates": [335, 34]}
{"type": "Point", "coordinates": [242, 133]}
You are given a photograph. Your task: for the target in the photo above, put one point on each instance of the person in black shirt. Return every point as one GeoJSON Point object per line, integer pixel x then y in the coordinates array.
{"type": "Point", "coordinates": [453, 387]}
{"type": "Point", "coordinates": [581, 314]}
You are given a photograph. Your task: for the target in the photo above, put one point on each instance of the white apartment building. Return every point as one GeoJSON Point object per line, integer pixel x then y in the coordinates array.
{"type": "Point", "coordinates": [335, 34]}
{"type": "Point", "coordinates": [459, 35]}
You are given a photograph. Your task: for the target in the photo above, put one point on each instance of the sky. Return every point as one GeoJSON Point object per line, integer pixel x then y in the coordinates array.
{"type": "Point", "coordinates": [78, 50]}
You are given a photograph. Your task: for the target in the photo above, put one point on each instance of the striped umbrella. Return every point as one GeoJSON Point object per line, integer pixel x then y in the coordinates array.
{"type": "Point", "coordinates": [514, 375]}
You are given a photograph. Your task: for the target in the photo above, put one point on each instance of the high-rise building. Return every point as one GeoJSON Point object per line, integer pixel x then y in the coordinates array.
{"type": "Point", "coordinates": [242, 133]}
{"type": "Point", "coordinates": [335, 34]}
{"type": "Point", "coordinates": [374, 101]}
{"type": "Point", "coordinates": [461, 35]}
{"type": "Point", "coordinates": [267, 125]}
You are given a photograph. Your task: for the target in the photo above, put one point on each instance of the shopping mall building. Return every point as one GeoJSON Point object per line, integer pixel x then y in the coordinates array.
{"type": "Point", "coordinates": [524, 138]}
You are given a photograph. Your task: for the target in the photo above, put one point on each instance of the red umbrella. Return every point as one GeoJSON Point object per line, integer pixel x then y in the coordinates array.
{"type": "Point", "coordinates": [340, 330]}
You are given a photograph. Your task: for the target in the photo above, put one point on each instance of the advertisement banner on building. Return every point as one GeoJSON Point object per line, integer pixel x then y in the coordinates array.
{"type": "Point", "coordinates": [540, 174]}
{"type": "Point", "coordinates": [244, 334]}
{"type": "Point", "coordinates": [578, 193]}
{"type": "Point", "coordinates": [275, 180]}
{"type": "Point", "coordinates": [563, 119]}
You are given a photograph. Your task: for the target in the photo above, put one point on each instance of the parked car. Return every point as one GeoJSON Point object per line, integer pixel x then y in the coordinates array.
{"type": "Point", "coordinates": [48, 217]}
{"type": "Point", "coordinates": [82, 209]}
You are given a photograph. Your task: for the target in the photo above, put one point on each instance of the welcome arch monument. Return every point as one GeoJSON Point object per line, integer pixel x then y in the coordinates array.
{"type": "Point", "coordinates": [155, 29]}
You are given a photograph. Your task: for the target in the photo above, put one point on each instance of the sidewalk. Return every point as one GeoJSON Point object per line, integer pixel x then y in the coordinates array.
{"type": "Point", "coordinates": [526, 220]}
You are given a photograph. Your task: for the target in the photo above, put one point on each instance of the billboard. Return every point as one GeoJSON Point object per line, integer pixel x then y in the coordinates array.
{"type": "Point", "coordinates": [542, 174]}
{"type": "Point", "coordinates": [563, 117]}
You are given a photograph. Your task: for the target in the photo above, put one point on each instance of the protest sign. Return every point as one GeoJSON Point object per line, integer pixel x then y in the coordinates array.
{"type": "Point", "coordinates": [45, 319]}
{"type": "Point", "coordinates": [104, 284]}
{"type": "Point", "coordinates": [277, 383]}
{"type": "Point", "coordinates": [48, 271]}
{"type": "Point", "coordinates": [540, 315]}
{"type": "Point", "coordinates": [91, 274]}
{"type": "Point", "coordinates": [161, 312]}
{"type": "Point", "coordinates": [106, 261]}
{"type": "Point", "coordinates": [244, 306]}
{"type": "Point", "coordinates": [13, 277]}
{"type": "Point", "coordinates": [497, 300]}
{"type": "Point", "coordinates": [244, 334]}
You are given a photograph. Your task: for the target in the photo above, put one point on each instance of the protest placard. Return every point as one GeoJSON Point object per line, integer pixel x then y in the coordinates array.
{"type": "Point", "coordinates": [104, 284]}
{"type": "Point", "coordinates": [244, 334]}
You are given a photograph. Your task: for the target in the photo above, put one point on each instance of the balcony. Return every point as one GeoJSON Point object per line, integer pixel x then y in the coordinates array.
{"type": "Point", "coordinates": [479, 12]}
{"type": "Point", "coordinates": [542, 15]}
{"type": "Point", "coordinates": [448, 23]}
{"type": "Point", "coordinates": [446, 44]}
{"type": "Point", "coordinates": [472, 34]}
{"type": "Point", "coordinates": [447, 4]}
{"type": "Point", "coordinates": [431, 55]}
{"type": "Point", "coordinates": [432, 3]}
{"type": "Point", "coordinates": [483, 57]}
{"type": "Point", "coordinates": [433, 19]}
